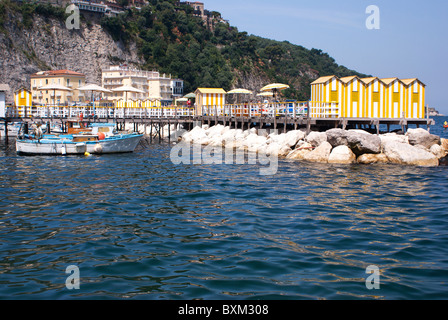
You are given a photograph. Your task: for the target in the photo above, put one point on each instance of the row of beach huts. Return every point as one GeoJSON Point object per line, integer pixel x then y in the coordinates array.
{"type": "Point", "coordinates": [331, 97]}
{"type": "Point", "coordinates": [352, 97]}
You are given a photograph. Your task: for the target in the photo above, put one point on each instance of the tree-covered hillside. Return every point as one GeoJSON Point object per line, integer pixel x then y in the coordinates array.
{"type": "Point", "coordinates": [171, 39]}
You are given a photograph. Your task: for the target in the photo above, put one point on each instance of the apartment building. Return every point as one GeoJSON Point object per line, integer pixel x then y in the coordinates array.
{"type": "Point", "coordinates": [155, 85]}
{"type": "Point", "coordinates": [71, 79]}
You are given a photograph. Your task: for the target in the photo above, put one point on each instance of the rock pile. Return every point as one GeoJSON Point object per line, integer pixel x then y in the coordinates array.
{"type": "Point", "coordinates": [418, 147]}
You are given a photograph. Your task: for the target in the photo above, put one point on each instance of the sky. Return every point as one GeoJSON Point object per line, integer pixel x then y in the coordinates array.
{"type": "Point", "coordinates": [411, 41]}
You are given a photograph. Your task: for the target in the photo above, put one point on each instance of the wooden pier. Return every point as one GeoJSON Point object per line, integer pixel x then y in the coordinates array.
{"type": "Point", "coordinates": [281, 117]}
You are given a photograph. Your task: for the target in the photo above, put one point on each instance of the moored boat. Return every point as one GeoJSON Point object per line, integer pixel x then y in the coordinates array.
{"type": "Point", "coordinates": [99, 140]}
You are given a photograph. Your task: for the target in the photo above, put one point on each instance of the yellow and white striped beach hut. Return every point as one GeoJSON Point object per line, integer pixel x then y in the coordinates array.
{"type": "Point", "coordinates": [23, 100]}
{"type": "Point", "coordinates": [373, 103]}
{"type": "Point", "coordinates": [326, 94]}
{"type": "Point", "coordinates": [353, 96]}
{"type": "Point", "coordinates": [414, 92]}
{"type": "Point", "coordinates": [387, 98]}
{"type": "Point", "coordinates": [209, 97]}
{"type": "Point", "coordinates": [151, 103]}
{"type": "Point", "coordinates": [393, 98]}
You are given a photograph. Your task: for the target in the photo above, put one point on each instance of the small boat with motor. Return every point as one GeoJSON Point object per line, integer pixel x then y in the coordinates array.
{"type": "Point", "coordinates": [100, 138]}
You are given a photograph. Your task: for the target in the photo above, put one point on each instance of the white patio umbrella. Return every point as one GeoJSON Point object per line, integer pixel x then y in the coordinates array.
{"type": "Point", "coordinates": [191, 95]}
{"type": "Point", "coordinates": [275, 88]}
{"type": "Point", "coordinates": [54, 88]}
{"type": "Point", "coordinates": [94, 88]}
{"type": "Point", "coordinates": [239, 91]}
{"type": "Point", "coordinates": [181, 100]}
{"type": "Point", "coordinates": [127, 89]}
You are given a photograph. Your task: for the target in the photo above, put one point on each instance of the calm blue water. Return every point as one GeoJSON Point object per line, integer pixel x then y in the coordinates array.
{"type": "Point", "coordinates": [139, 227]}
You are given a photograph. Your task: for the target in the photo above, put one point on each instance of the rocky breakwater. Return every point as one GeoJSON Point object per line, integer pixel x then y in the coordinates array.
{"type": "Point", "coordinates": [417, 147]}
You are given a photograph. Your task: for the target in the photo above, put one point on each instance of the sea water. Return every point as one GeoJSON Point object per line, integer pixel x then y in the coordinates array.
{"type": "Point", "coordinates": [137, 226]}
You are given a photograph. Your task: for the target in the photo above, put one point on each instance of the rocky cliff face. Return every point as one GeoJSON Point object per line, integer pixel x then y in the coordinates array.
{"type": "Point", "coordinates": [48, 44]}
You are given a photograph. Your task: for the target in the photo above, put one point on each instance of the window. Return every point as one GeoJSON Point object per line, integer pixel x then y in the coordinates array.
{"type": "Point", "coordinates": [376, 86]}
{"type": "Point", "coordinates": [355, 85]}
{"type": "Point", "coordinates": [334, 85]}
{"type": "Point", "coordinates": [415, 87]}
{"type": "Point", "coordinates": [396, 87]}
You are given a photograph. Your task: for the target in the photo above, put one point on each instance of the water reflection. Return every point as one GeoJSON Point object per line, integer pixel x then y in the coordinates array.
{"type": "Point", "coordinates": [140, 227]}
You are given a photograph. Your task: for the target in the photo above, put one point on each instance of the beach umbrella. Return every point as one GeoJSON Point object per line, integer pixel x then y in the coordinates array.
{"type": "Point", "coordinates": [94, 88]}
{"type": "Point", "coordinates": [181, 100]}
{"type": "Point", "coordinates": [54, 87]}
{"type": "Point", "coordinates": [275, 88]}
{"type": "Point", "coordinates": [239, 92]}
{"type": "Point", "coordinates": [190, 96]}
{"type": "Point", "coordinates": [127, 89]}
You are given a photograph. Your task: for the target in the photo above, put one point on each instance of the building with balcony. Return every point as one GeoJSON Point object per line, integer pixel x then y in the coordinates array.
{"type": "Point", "coordinates": [109, 8]}
{"type": "Point", "coordinates": [209, 18]}
{"type": "Point", "coordinates": [155, 86]}
{"type": "Point", "coordinates": [71, 79]}
{"type": "Point", "coordinates": [177, 87]}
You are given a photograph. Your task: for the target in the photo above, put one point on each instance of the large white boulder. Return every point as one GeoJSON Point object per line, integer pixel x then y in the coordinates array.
{"type": "Point", "coordinates": [320, 154]}
{"type": "Point", "coordinates": [342, 155]}
{"type": "Point", "coordinates": [438, 151]}
{"type": "Point", "coordinates": [197, 135]}
{"type": "Point", "coordinates": [359, 141]}
{"type": "Point", "coordinates": [293, 137]}
{"type": "Point", "coordinates": [393, 137]}
{"type": "Point", "coordinates": [316, 138]}
{"type": "Point", "coordinates": [422, 137]}
{"type": "Point", "coordinates": [300, 152]}
{"type": "Point", "coordinates": [402, 153]}
{"type": "Point", "coordinates": [369, 158]}
{"type": "Point", "coordinates": [337, 137]}
{"type": "Point", "coordinates": [214, 131]}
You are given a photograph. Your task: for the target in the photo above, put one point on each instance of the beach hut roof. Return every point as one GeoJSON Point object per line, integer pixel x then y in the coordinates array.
{"type": "Point", "coordinates": [388, 81]}
{"type": "Point", "coordinates": [323, 79]}
{"type": "Point", "coordinates": [22, 88]}
{"type": "Point", "coordinates": [368, 80]}
{"type": "Point", "coordinates": [348, 79]}
{"type": "Point", "coordinates": [211, 90]}
{"type": "Point", "coordinates": [407, 82]}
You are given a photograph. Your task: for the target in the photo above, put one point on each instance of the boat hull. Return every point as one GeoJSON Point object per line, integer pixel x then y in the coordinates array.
{"type": "Point", "coordinates": [117, 144]}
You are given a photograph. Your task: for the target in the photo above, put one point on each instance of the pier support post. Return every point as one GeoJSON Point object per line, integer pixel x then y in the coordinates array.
{"type": "Point", "coordinates": [308, 120]}
{"type": "Point", "coordinates": [6, 132]}
{"type": "Point", "coordinates": [169, 130]}
{"type": "Point", "coordinates": [284, 129]}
